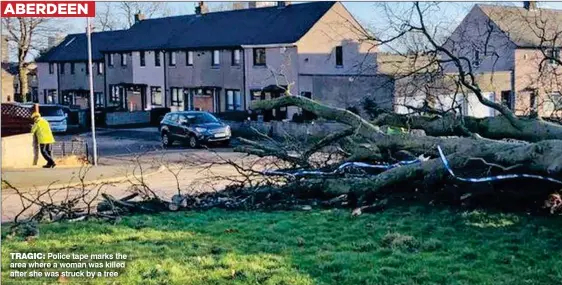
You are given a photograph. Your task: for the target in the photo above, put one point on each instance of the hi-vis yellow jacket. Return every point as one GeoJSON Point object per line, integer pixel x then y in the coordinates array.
{"type": "Point", "coordinates": [42, 130]}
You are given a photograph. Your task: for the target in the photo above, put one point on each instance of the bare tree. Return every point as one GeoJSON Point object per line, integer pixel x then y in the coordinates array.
{"type": "Point", "coordinates": [28, 36]}
{"type": "Point", "coordinates": [120, 15]}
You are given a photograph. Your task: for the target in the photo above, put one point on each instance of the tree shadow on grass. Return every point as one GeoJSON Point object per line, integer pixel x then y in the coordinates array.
{"type": "Point", "coordinates": [403, 245]}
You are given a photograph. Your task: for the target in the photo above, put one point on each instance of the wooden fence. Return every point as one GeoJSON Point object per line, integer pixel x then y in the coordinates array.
{"type": "Point", "coordinates": [15, 119]}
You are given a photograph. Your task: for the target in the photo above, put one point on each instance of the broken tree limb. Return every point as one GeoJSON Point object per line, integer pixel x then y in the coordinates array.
{"type": "Point", "coordinates": [498, 127]}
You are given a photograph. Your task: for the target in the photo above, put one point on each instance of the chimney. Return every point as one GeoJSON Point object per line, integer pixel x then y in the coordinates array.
{"type": "Point", "coordinates": [139, 17]}
{"type": "Point", "coordinates": [530, 5]}
{"type": "Point", "coordinates": [282, 4]}
{"type": "Point", "coordinates": [5, 52]}
{"type": "Point", "coordinates": [201, 8]}
{"type": "Point", "coordinates": [260, 4]}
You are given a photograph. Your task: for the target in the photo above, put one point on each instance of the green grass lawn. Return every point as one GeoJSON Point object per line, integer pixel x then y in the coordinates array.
{"type": "Point", "coordinates": [403, 245]}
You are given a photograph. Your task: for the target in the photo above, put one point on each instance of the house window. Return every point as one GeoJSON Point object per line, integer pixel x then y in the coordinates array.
{"type": "Point", "coordinates": [189, 58]}
{"type": "Point", "coordinates": [142, 58]}
{"type": "Point", "coordinates": [50, 95]}
{"type": "Point", "coordinates": [155, 96]}
{"type": "Point", "coordinates": [87, 67]}
{"type": "Point", "coordinates": [68, 98]}
{"type": "Point", "coordinates": [533, 100]}
{"type": "Point", "coordinates": [506, 98]}
{"type": "Point", "coordinates": [173, 58]}
{"type": "Point", "coordinates": [216, 58]}
{"type": "Point", "coordinates": [257, 95]}
{"type": "Point", "coordinates": [156, 58]}
{"type": "Point", "coordinates": [123, 59]}
{"type": "Point", "coordinates": [177, 99]}
{"type": "Point", "coordinates": [236, 57]}
{"type": "Point", "coordinates": [110, 59]}
{"type": "Point", "coordinates": [51, 68]}
{"type": "Point", "coordinates": [61, 67]}
{"type": "Point", "coordinates": [72, 68]}
{"type": "Point", "coordinates": [98, 99]}
{"type": "Point", "coordinates": [476, 61]}
{"type": "Point", "coordinates": [339, 56]}
{"type": "Point", "coordinates": [553, 56]}
{"type": "Point", "coordinates": [553, 103]}
{"type": "Point", "coordinates": [233, 100]}
{"type": "Point", "coordinates": [115, 93]}
{"type": "Point", "coordinates": [34, 94]}
{"type": "Point", "coordinates": [259, 56]}
{"type": "Point", "coordinates": [100, 67]}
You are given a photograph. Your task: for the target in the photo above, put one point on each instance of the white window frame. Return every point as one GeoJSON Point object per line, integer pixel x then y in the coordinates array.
{"type": "Point", "coordinates": [173, 58]}
{"type": "Point", "coordinates": [236, 57]}
{"type": "Point", "coordinates": [124, 59]}
{"type": "Point", "coordinates": [189, 58]}
{"type": "Point", "coordinates": [111, 62]}
{"type": "Point", "coordinates": [100, 68]}
{"type": "Point", "coordinates": [216, 57]}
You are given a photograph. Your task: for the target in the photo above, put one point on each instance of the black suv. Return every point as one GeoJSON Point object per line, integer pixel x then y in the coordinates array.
{"type": "Point", "coordinates": [193, 127]}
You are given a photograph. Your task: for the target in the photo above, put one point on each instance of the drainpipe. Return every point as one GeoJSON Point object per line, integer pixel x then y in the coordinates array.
{"type": "Point", "coordinates": [59, 93]}
{"type": "Point", "coordinates": [244, 78]}
{"type": "Point", "coordinates": [104, 84]}
{"type": "Point", "coordinates": [513, 94]}
{"type": "Point", "coordinates": [165, 79]}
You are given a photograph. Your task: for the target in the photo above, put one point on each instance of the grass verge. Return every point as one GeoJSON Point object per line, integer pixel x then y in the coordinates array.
{"type": "Point", "coordinates": [403, 245]}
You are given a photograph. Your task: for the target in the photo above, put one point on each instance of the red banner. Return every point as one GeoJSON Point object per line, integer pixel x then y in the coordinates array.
{"type": "Point", "coordinates": [51, 9]}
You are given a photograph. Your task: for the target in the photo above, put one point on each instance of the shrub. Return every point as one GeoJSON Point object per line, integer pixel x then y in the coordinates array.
{"type": "Point", "coordinates": [235, 116]}
{"type": "Point", "coordinates": [400, 241]}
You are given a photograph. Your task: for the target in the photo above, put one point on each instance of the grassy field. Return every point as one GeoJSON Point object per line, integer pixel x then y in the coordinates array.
{"type": "Point", "coordinates": [403, 245]}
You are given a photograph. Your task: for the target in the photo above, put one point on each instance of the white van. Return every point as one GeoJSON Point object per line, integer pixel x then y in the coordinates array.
{"type": "Point", "coordinates": [56, 116]}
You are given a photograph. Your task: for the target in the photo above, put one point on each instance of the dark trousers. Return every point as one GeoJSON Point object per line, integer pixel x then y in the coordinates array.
{"type": "Point", "coordinates": [46, 153]}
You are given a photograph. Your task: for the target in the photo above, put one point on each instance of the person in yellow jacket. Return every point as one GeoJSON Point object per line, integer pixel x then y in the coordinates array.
{"type": "Point", "coordinates": [42, 130]}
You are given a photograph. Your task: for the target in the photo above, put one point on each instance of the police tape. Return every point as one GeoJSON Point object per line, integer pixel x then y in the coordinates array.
{"type": "Point", "coordinates": [342, 167]}
{"type": "Point", "coordinates": [491, 178]}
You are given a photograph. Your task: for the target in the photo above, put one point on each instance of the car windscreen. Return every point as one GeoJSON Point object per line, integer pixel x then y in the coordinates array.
{"type": "Point", "coordinates": [51, 111]}
{"type": "Point", "coordinates": [202, 118]}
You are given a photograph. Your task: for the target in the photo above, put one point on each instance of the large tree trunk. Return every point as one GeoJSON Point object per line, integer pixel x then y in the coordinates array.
{"type": "Point", "coordinates": [543, 157]}
{"type": "Point", "coordinates": [23, 82]}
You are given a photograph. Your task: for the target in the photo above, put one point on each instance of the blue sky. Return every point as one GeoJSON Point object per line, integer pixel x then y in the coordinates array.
{"type": "Point", "coordinates": [367, 12]}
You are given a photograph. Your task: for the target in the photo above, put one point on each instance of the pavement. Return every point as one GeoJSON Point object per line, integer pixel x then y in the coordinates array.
{"type": "Point", "coordinates": [27, 179]}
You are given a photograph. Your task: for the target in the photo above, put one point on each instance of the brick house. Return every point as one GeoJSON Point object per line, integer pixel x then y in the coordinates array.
{"type": "Point", "coordinates": [221, 61]}
{"type": "Point", "coordinates": [512, 42]}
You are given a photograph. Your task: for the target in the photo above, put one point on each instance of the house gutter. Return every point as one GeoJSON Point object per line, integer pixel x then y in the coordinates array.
{"type": "Point", "coordinates": [269, 46]}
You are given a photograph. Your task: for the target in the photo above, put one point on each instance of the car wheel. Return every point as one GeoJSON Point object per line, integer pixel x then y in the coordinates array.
{"type": "Point", "coordinates": [192, 142]}
{"type": "Point", "coordinates": [166, 140]}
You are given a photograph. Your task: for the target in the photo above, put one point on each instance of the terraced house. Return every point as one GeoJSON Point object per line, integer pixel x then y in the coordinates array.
{"type": "Point", "coordinates": [221, 61]}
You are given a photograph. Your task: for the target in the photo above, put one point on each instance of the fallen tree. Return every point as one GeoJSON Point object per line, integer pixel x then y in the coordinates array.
{"type": "Point", "coordinates": [469, 155]}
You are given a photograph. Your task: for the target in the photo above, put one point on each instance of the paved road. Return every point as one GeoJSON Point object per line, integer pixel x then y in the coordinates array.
{"type": "Point", "coordinates": [192, 170]}
{"type": "Point", "coordinates": [120, 141]}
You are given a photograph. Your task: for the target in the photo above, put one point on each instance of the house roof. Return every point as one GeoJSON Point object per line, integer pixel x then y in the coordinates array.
{"type": "Point", "coordinates": [10, 67]}
{"type": "Point", "coordinates": [74, 47]}
{"type": "Point", "coordinates": [526, 28]}
{"type": "Point", "coordinates": [258, 26]}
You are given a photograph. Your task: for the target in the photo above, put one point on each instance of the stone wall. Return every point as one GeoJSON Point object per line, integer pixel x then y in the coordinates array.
{"type": "Point", "coordinates": [19, 151]}
{"type": "Point", "coordinates": [127, 118]}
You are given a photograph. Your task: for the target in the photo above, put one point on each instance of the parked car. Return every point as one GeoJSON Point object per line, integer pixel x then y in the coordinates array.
{"type": "Point", "coordinates": [194, 127]}
{"type": "Point", "coordinates": [56, 115]}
